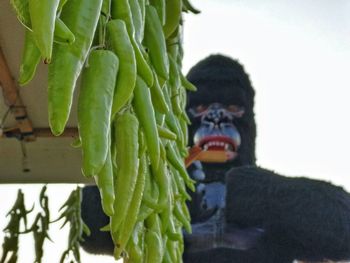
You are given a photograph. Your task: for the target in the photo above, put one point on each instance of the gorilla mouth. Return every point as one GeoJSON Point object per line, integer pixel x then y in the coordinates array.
{"type": "Point", "coordinates": [217, 143]}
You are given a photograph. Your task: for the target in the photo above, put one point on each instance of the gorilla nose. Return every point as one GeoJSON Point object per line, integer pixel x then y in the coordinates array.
{"type": "Point", "coordinates": [215, 116]}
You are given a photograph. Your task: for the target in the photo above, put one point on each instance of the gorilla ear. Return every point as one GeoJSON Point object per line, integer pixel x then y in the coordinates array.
{"type": "Point", "coordinates": [236, 111]}
{"type": "Point", "coordinates": [201, 108]}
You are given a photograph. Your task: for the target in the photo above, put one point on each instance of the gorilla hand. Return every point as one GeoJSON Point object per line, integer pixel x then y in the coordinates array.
{"type": "Point", "coordinates": [215, 233]}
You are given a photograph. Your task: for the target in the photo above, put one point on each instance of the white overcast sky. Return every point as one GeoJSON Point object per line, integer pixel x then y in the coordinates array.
{"type": "Point", "coordinates": [297, 54]}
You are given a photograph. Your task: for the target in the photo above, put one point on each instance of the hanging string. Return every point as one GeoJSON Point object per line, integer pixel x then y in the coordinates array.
{"type": "Point", "coordinates": [25, 162]}
{"type": "Point", "coordinates": [5, 116]}
{"type": "Point", "coordinates": [3, 119]}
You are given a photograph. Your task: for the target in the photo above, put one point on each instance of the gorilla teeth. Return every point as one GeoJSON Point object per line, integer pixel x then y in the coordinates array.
{"type": "Point", "coordinates": [223, 145]}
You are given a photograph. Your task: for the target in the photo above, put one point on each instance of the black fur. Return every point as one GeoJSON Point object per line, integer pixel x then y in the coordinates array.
{"type": "Point", "coordinates": [309, 218]}
{"type": "Point", "coordinates": [302, 219]}
{"type": "Point", "coordinates": [99, 242]}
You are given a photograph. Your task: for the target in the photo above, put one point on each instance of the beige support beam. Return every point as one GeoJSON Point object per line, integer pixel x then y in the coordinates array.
{"type": "Point", "coordinates": [14, 101]}
{"type": "Point", "coordinates": [39, 133]}
{"type": "Point", "coordinates": [46, 133]}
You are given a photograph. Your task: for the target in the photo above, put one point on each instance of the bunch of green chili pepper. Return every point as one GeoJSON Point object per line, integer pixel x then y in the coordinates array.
{"type": "Point", "coordinates": [72, 215]}
{"type": "Point", "coordinates": [131, 110]}
{"type": "Point", "coordinates": [12, 231]}
{"type": "Point", "coordinates": [40, 226]}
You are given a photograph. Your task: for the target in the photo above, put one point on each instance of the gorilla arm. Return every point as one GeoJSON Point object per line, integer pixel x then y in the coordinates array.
{"type": "Point", "coordinates": [310, 217]}
{"type": "Point", "coordinates": [276, 218]}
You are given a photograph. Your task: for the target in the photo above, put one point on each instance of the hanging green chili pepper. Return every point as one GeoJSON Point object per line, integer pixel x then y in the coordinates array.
{"type": "Point", "coordinates": [160, 7]}
{"type": "Point", "coordinates": [157, 96]}
{"type": "Point", "coordinates": [81, 18]}
{"type": "Point", "coordinates": [72, 214]}
{"type": "Point", "coordinates": [173, 124]}
{"type": "Point", "coordinates": [145, 113]}
{"type": "Point", "coordinates": [153, 247]}
{"type": "Point", "coordinates": [188, 6]}
{"type": "Point", "coordinates": [133, 210]}
{"type": "Point", "coordinates": [172, 231]}
{"type": "Point", "coordinates": [173, 16]}
{"type": "Point", "coordinates": [135, 245]}
{"type": "Point", "coordinates": [179, 214]}
{"type": "Point", "coordinates": [174, 85]}
{"type": "Point", "coordinates": [94, 109]}
{"type": "Point", "coordinates": [166, 257]}
{"type": "Point", "coordinates": [120, 43]}
{"type": "Point", "coordinates": [31, 53]}
{"type": "Point", "coordinates": [21, 8]}
{"type": "Point", "coordinates": [183, 99]}
{"type": "Point", "coordinates": [138, 20]}
{"type": "Point", "coordinates": [172, 246]}
{"type": "Point", "coordinates": [42, 17]}
{"type": "Point", "coordinates": [165, 133]}
{"type": "Point", "coordinates": [171, 121]}
{"type": "Point", "coordinates": [30, 59]}
{"type": "Point", "coordinates": [185, 210]}
{"type": "Point", "coordinates": [143, 69]}
{"type": "Point", "coordinates": [160, 118]}
{"type": "Point", "coordinates": [155, 42]}
{"type": "Point", "coordinates": [150, 197]}
{"type": "Point", "coordinates": [153, 240]}
{"type": "Point", "coordinates": [180, 184]}
{"type": "Point", "coordinates": [104, 181]}
{"type": "Point", "coordinates": [121, 9]}
{"type": "Point", "coordinates": [178, 164]}
{"type": "Point", "coordinates": [161, 176]}
{"type": "Point", "coordinates": [184, 129]}
{"type": "Point", "coordinates": [166, 213]}
{"type": "Point", "coordinates": [62, 34]}
{"type": "Point", "coordinates": [187, 85]}
{"type": "Point", "coordinates": [126, 128]}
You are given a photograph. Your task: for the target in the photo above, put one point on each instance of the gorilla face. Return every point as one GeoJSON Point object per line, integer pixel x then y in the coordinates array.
{"type": "Point", "coordinates": [221, 112]}
{"type": "Point", "coordinates": [213, 129]}
{"type": "Point", "coordinates": [217, 132]}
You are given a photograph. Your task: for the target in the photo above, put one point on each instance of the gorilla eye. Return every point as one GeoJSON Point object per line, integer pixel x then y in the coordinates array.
{"type": "Point", "coordinates": [201, 109]}
{"type": "Point", "coordinates": [197, 111]}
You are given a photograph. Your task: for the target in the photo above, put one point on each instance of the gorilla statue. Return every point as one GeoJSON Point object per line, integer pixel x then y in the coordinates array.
{"type": "Point", "coordinates": [242, 213]}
